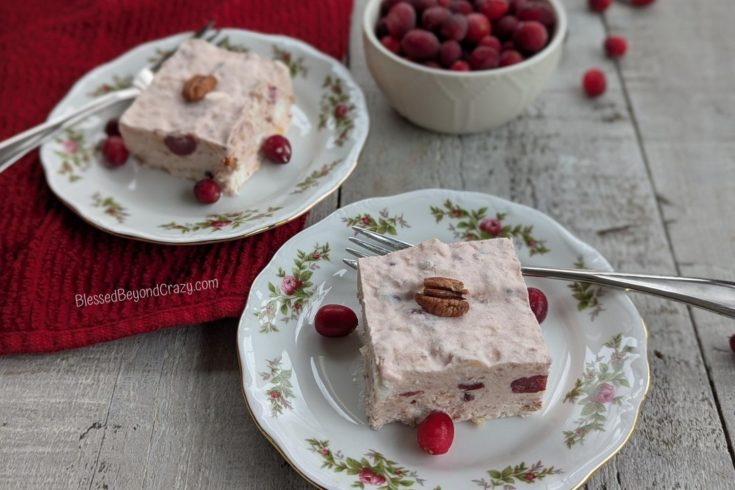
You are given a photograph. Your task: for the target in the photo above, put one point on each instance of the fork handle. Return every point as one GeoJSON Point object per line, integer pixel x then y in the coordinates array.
{"type": "Point", "coordinates": [710, 294]}
{"type": "Point", "coordinates": [13, 148]}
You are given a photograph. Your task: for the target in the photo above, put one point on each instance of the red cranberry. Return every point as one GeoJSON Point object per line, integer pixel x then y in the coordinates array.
{"type": "Point", "coordinates": [532, 384]}
{"type": "Point", "coordinates": [538, 11]}
{"type": "Point", "coordinates": [510, 57]}
{"type": "Point", "coordinates": [433, 17]}
{"type": "Point", "coordinates": [400, 19]}
{"type": "Point", "coordinates": [490, 42]}
{"type": "Point", "coordinates": [391, 44]}
{"type": "Point", "coordinates": [641, 3]}
{"type": "Point", "coordinates": [594, 82]}
{"type": "Point", "coordinates": [530, 37]}
{"type": "Point", "coordinates": [732, 343]}
{"type": "Point", "coordinates": [493, 9]}
{"type": "Point", "coordinates": [516, 5]}
{"type": "Point", "coordinates": [277, 149]}
{"type": "Point", "coordinates": [471, 386]}
{"type": "Point", "coordinates": [422, 5]}
{"type": "Point", "coordinates": [477, 27]}
{"type": "Point", "coordinates": [112, 128]}
{"type": "Point", "coordinates": [436, 433]}
{"type": "Point", "coordinates": [454, 27]}
{"type": "Point", "coordinates": [484, 58]}
{"type": "Point", "coordinates": [335, 321]}
{"type": "Point", "coordinates": [420, 45]}
{"type": "Point", "coordinates": [461, 7]}
{"type": "Point", "coordinates": [493, 226]}
{"type": "Point", "coordinates": [386, 5]}
{"type": "Point", "coordinates": [449, 52]}
{"type": "Point", "coordinates": [181, 145]}
{"type": "Point", "coordinates": [207, 191]}
{"type": "Point", "coordinates": [114, 151]}
{"type": "Point", "coordinates": [505, 27]}
{"type": "Point", "coordinates": [460, 65]}
{"type": "Point", "coordinates": [539, 303]}
{"type": "Point", "coordinates": [599, 5]}
{"type": "Point", "coordinates": [616, 46]}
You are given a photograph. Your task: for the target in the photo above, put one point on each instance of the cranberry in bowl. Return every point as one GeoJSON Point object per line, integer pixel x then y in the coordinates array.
{"type": "Point", "coordinates": [462, 71]}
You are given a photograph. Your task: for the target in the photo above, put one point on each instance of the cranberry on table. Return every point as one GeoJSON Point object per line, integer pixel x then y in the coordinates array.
{"type": "Point", "coordinates": [112, 128]}
{"type": "Point", "coordinates": [594, 82]}
{"type": "Point", "coordinates": [530, 36]}
{"type": "Point", "coordinates": [335, 321]}
{"type": "Point", "coordinates": [539, 303]}
{"type": "Point", "coordinates": [277, 149]}
{"type": "Point", "coordinates": [391, 44]}
{"type": "Point", "coordinates": [449, 52]}
{"type": "Point", "coordinates": [454, 27]}
{"type": "Point", "coordinates": [207, 191]}
{"type": "Point", "coordinates": [419, 44]}
{"type": "Point", "coordinates": [460, 65]}
{"type": "Point", "coordinates": [433, 18]}
{"type": "Point", "coordinates": [114, 151]}
{"type": "Point", "coordinates": [478, 26]}
{"type": "Point", "coordinates": [181, 145]}
{"type": "Point", "coordinates": [400, 19]}
{"type": "Point", "coordinates": [493, 9]}
{"type": "Point", "coordinates": [436, 433]}
{"type": "Point", "coordinates": [505, 27]}
{"type": "Point", "coordinates": [599, 5]}
{"type": "Point", "coordinates": [616, 46]}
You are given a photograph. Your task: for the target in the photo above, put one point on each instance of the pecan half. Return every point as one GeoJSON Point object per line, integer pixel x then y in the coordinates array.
{"type": "Point", "coordinates": [197, 87]}
{"type": "Point", "coordinates": [443, 296]}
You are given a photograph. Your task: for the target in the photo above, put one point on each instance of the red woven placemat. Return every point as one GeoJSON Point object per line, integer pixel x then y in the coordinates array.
{"type": "Point", "coordinates": [48, 255]}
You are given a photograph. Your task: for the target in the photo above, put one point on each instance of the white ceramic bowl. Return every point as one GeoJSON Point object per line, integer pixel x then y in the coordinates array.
{"type": "Point", "coordinates": [459, 102]}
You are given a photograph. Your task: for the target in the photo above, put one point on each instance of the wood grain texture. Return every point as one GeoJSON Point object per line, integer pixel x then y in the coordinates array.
{"type": "Point", "coordinates": [165, 410]}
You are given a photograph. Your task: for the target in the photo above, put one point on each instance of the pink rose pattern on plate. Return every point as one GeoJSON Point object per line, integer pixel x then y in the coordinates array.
{"type": "Point", "coordinates": [597, 391]}
{"type": "Point", "coordinates": [291, 295]}
{"type": "Point", "coordinates": [520, 473]}
{"type": "Point", "coordinates": [312, 180]}
{"type": "Point", "coordinates": [384, 223]}
{"type": "Point", "coordinates": [216, 222]}
{"type": "Point", "coordinates": [587, 295]}
{"type": "Point", "coordinates": [75, 154]}
{"type": "Point", "coordinates": [279, 390]}
{"type": "Point", "coordinates": [336, 110]}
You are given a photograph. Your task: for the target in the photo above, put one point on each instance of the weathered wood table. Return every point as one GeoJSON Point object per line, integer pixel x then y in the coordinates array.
{"type": "Point", "coordinates": [645, 173]}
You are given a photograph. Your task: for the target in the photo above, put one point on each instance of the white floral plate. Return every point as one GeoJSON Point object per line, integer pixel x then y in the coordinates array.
{"type": "Point", "coordinates": [303, 390]}
{"type": "Point", "coordinates": [139, 202]}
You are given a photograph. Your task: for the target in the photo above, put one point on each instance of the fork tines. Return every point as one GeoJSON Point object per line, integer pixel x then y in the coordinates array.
{"type": "Point", "coordinates": [383, 246]}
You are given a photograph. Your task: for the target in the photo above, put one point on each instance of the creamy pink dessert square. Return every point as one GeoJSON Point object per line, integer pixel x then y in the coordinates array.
{"type": "Point", "coordinates": [489, 362]}
{"type": "Point", "coordinates": [222, 132]}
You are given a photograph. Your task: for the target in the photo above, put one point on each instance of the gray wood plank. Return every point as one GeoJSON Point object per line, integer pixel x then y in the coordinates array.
{"type": "Point", "coordinates": [580, 162]}
{"type": "Point", "coordinates": [684, 106]}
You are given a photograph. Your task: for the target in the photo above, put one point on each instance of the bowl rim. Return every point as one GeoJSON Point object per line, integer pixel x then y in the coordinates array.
{"type": "Point", "coordinates": [370, 15]}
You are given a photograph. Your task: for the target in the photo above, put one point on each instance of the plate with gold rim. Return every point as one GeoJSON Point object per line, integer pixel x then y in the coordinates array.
{"type": "Point", "coordinates": [304, 391]}
{"type": "Point", "coordinates": [330, 124]}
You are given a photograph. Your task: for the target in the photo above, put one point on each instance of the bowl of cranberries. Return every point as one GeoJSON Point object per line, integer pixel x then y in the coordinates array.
{"type": "Point", "coordinates": [462, 66]}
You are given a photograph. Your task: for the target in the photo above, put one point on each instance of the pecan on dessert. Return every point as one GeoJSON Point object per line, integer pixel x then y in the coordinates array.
{"type": "Point", "coordinates": [197, 87]}
{"type": "Point", "coordinates": [443, 296]}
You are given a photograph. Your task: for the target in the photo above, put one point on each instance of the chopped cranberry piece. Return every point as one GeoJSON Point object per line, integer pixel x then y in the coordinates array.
{"type": "Point", "coordinates": [484, 58]}
{"type": "Point", "coordinates": [454, 27]}
{"type": "Point", "coordinates": [532, 384]}
{"type": "Point", "coordinates": [505, 27]}
{"type": "Point", "coordinates": [468, 397]}
{"type": "Point", "coordinates": [616, 46]}
{"type": "Point", "coordinates": [530, 37]}
{"type": "Point", "coordinates": [391, 44]}
{"type": "Point", "coordinates": [410, 393]}
{"type": "Point", "coordinates": [181, 145]}
{"type": "Point", "coordinates": [419, 44]}
{"type": "Point", "coordinates": [335, 321]}
{"type": "Point", "coordinates": [539, 303]}
{"type": "Point", "coordinates": [112, 128]}
{"type": "Point", "coordinates": [493, 9]}
{"type": "Point", "coordinates": [436, 433]}
{"type": "Point", "coordinates": [477, 27]}
{"type": "Point", "coordinates": [400, 19]}
{"type": "Point", "coordinates": [449, 52]}
{"type": "Point", "coordinates": [594, 82]}
{"type": "Point", "coordinates": [207, 191]}
{"type": "Point", "coordinates": [114, 151]}
{"type": "Point", "coordinates": [433, 18]}
{"type": "Point", "coordinates": [277, 149]}
{"type": "Point", "coordinates": [471, 386]}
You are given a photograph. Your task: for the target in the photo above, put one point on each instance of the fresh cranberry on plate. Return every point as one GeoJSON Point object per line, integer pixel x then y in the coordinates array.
{"type": "Point", "coordinates": [436, 433]}
{"type": "Point", "coordinates": [277, 149]}
{"type": "Point", "coordinates": [114, 151]}
{"type": "Point", "coordinates": [335, 321]}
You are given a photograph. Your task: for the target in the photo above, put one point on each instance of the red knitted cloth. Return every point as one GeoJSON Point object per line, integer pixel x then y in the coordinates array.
{"type": "Point", "coordinates": [47, 254]}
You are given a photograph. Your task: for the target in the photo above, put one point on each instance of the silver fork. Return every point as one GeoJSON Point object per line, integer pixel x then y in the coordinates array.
{"type": "Point", "coordinates": [15, 147]}
{"type": "Point", "coordinates": [710, 294]}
